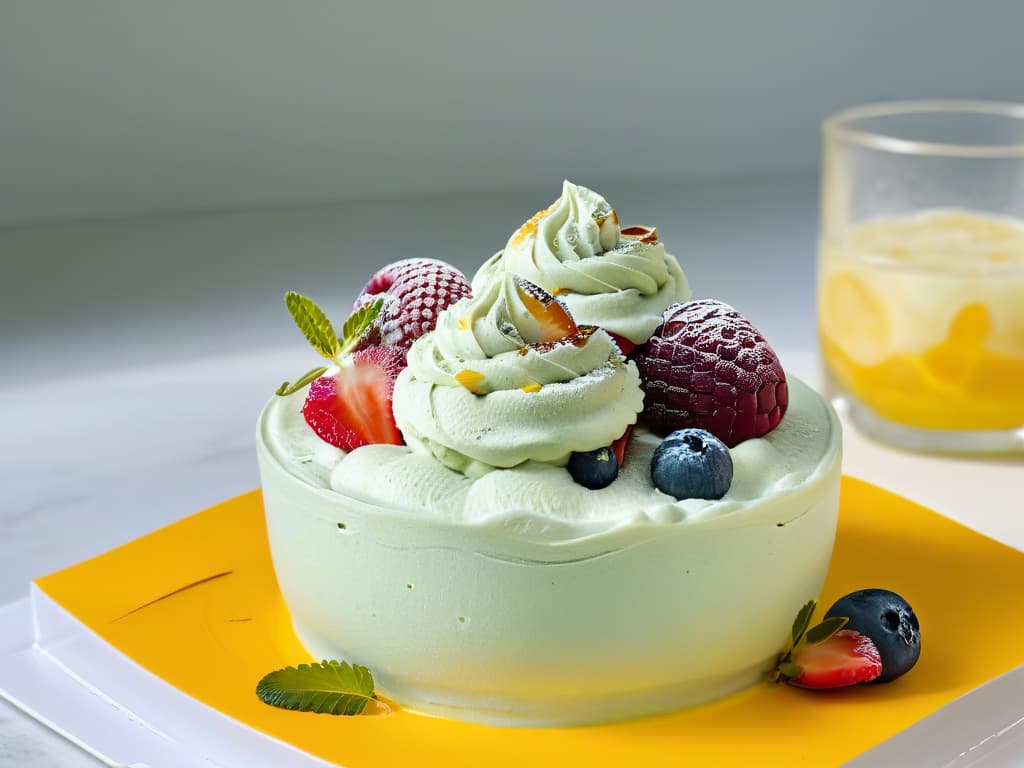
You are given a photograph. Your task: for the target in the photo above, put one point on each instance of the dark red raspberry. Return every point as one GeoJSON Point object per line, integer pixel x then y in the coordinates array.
{"type": "Point", "coordinates": [415, 291]}
{"type": "Point", "coordinates": [707, 366]}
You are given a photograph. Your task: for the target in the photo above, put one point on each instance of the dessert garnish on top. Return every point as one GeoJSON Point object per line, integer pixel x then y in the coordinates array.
{"type": "Point", "coordinates": [708, 379]}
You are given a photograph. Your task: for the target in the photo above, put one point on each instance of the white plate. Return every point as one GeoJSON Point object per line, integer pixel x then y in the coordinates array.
{"type": "Point", "coordinates": [48, 661]}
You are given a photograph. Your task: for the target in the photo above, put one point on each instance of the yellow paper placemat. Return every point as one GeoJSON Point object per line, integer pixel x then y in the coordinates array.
{"type": "Point", "coordinates": [216, 639]}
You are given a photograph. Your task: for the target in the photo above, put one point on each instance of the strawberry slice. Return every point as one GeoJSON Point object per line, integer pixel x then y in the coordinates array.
{"type": "Point", "coordinates": [353, 407]}
{"type": "Point", "coordinates": [551, 315]}
{"type": "Point", "coordinates": [625, 345]}
{"type": "Point", "coordinates": [619, 446]}
{"type": "Point", "coordinates": [846, 658]}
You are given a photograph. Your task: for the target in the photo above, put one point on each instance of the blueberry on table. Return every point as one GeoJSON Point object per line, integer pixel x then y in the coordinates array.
{"type": "Point", "coordinates": [594, 469]}
{"type": "Point", "coordinates": [692, 464]}
{"type": "Point", "coordinates": [889, 621]}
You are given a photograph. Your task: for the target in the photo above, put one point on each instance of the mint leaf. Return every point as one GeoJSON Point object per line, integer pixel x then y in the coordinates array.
{"type": "Point", "coordinates": [358, 323]}
{"type": "Point", "coordinates": [825, 630]}
{"type": "Point", "coordinates": [314, 325]}
{"type": "Point", "coordinates": [290, 389]}
{"type": "Point", "coordinates": [789, 671]}
{"type": "Point", "coordinates": [802, 621]}
{"type": "Point", "coordinates": [334, 687]}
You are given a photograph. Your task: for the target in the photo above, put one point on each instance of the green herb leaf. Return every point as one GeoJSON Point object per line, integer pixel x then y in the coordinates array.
{"type": "Point", "coordinates": [314, 325]}
{"type": "Point", "coordinates": [825, 630]}
{"type": "Point", "coordinates": [803, 620]}
{"type": "Point", "coordinates": [358, 323]}
{"type": "Point", "coordinates": [337, 688]}
{"type": "Point", "coordinates": [789, 671]}
{"type": "Point", "coordinates": [290, 389]}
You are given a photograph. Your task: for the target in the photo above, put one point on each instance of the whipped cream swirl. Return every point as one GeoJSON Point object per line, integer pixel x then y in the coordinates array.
{"type": "Point", "coordinates": [479, 393]}
{"type": "Point", "coordinates": [575, 250]}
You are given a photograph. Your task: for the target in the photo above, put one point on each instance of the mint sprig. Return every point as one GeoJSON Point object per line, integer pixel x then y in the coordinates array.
{"type": "Point", "coordinates": [331, 687]}
{"type": "Point", "coordinates": [802, 621]}
{"type": "Point", "coordinates": [314, 325]}
{"type": "Point", "coordinates": [308, 377]}
{"type": "Point", "coordinates": [319, 332]}
{"type": "Point", "coordinates": [804, 634]}
{"type": "Point", "coordinates": [357, 324]}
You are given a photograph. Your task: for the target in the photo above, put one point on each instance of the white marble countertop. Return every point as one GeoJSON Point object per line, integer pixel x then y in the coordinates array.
{"type": "Point", "coordinates": [138, 352]}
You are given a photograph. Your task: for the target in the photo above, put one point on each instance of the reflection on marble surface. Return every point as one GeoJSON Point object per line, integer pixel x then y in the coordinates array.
{"type": "Point", "coordinates": [25, 743]}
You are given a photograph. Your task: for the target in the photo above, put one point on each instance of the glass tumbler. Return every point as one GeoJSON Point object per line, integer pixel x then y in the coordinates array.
{"type": "Point", "coordinates": [921, 273]}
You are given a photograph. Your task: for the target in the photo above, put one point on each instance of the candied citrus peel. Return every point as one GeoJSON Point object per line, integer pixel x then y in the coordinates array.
{"type": "Point", "coordinates": [641, 234]}
{"type": "Point", "coordinates": [554, 321]}
{"type": "Point", "coordinates": [471, 380]}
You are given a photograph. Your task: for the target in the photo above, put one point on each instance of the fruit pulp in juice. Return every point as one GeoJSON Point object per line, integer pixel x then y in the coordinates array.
{"type": "Point", "coordinates": [921, 319]}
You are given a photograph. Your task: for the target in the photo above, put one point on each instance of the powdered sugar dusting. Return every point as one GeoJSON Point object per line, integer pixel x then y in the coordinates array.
{"type": "Point", "coordinates": [415, 292]}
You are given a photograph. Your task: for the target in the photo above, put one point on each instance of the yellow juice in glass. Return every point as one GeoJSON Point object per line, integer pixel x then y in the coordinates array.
{"type": "Point", "coordinates": [921, 319]}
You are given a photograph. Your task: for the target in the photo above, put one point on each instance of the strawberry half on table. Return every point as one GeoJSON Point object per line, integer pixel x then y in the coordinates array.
{"type": "Point", "coordinates": [846, 658]}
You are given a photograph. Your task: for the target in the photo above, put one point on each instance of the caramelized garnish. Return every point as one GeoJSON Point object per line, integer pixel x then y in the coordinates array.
{"type": "Point", "coordinates": [471, 380]}
{"type": "Point", "coordinates": [577, 339]}
{"type": "Point", "coordinates": [530, 227]}
{"type": "Point", "coordinates": [463, 324]}
{"type": "Point", "coordinates": [535, 387]}
{"type": "Point", "coordinates": [551, 315]}
{"type": "Point", "coordinates": [643, 234]}
{"type": "Point", "coordinates": [583, 333]}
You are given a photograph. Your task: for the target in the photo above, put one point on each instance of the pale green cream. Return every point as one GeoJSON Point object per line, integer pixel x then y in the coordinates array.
{"type": "Point", "coordinates": [574, 248]}
{"type": "Point", "coordinates": [519, 403]}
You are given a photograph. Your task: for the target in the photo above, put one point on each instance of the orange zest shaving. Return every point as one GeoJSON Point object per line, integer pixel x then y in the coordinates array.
{"type": "Point", "coordinates": [530, 227]}
{"type": "Point", "coordinates": [471, 380]}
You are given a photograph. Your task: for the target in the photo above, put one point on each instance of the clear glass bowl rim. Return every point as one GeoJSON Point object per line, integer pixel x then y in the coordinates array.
{"type": "Point", "coordinates": [840, 127]}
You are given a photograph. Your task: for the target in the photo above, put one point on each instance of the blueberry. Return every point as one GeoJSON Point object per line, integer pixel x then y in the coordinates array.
{"type": "Point", "coordinates": [889, 622]}
{"type": "Point", "coordinates": [692, 464]}
{"type": "Point", "coordinates": [594, 469]}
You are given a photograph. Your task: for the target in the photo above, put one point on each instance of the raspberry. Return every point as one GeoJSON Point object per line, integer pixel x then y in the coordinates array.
{"type": "Point", "coordinates": [415, 291]}
{"type": "Point", "coordinates": [706, 366]}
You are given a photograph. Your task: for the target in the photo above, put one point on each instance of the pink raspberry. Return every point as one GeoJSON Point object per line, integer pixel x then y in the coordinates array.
{"type": "Point", "coordinates": [415, 291]}
{"type": "Point", "coordinates": [706, 366]}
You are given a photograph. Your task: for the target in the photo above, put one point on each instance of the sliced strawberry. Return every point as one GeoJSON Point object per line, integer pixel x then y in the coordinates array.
{"type": "Point", "coordinates": [625, 345]}
{"type": "Point", "coordinates": [353, 407]}
{"type": "Point", "coordinates": [846, 658]}
{"type": "Point", "coordinates": [619, 446]}
{"type": "Point", "coordinates": [551, 315]}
